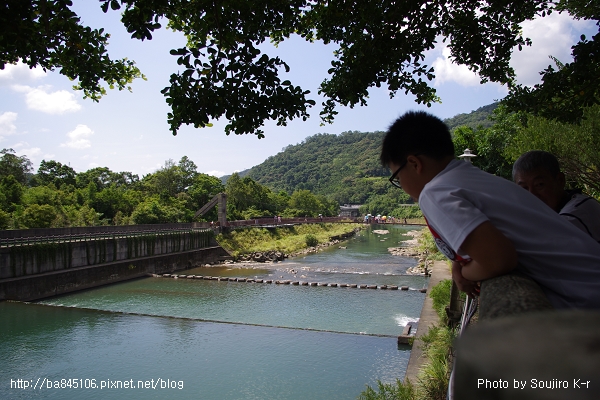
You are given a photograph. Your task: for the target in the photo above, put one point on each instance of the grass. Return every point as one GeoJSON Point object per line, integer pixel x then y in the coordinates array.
{"type": "Point", "coordinates": [426, 244]}
{"type": "Point", "coordinates": [433, 377]}
{"type": "Point", "coordinates": [440, 294]}
{"type": "Point", "coordinates": [286, 239]}
{"type": "Point", "coordinates": [397, 391]}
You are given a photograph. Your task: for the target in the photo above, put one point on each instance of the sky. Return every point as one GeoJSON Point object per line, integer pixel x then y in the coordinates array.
{"type": "Point", "coordinates": [43, 118]}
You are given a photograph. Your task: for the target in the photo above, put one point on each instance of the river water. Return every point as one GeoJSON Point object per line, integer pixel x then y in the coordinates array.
{"type": "Point", "coordinates": [205, 339]}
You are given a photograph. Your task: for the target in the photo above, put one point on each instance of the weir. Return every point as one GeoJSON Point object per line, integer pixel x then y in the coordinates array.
{"type": "Point", "coordinates": [35, 266]}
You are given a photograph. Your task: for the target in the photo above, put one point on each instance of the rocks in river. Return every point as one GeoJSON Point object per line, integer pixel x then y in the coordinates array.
{"type": "Point", "coordinates": [264, 256]}
{"type": "Point", "coordinates": [286, 282]}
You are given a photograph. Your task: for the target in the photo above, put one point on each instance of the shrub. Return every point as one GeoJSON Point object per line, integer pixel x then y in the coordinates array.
{"type": "Point", "coordinates": [398, 391]}
{"type": "Point", "coordinates": [311, 240]}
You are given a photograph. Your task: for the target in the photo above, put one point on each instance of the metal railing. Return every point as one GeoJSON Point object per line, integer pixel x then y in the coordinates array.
{"type": "Point", "coordinates": [89, 236]}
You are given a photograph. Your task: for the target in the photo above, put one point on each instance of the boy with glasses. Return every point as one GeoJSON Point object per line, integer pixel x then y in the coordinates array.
{"type": "Point", "coordinates": [487, 225]}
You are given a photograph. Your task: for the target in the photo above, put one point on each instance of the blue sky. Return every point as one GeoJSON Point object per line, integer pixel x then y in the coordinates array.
{"type": "Point", "coordinates": [43, 118]}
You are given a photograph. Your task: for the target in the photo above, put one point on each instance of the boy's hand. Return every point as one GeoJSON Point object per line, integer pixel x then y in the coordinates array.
{"type": "Point", "coordinates": [464, 285]}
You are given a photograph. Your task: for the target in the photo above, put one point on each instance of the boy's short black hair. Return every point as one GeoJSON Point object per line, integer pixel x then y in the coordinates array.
{"type": "Point", "coordinates": [535, 159]}
{"type": "Point", "coordinates": [416, 132]}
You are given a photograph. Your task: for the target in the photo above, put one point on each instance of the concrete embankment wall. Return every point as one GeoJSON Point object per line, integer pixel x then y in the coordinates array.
{"type": "Point", "coordinates": [35, 287]}
{"type": "Point", "coordinates": [39, 258]}
{"type": "Point", "coordinates": [38, 270]}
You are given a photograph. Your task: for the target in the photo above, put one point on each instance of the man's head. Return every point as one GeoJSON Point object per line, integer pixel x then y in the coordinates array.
{"type": "Point", "coordinates": [539, 172]}
{"type": "Point", "coordinates": [416, 147]}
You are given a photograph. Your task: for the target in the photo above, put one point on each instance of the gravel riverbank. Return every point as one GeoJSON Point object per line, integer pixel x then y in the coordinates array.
{"type": "Point", "coordinates": [411, 248]}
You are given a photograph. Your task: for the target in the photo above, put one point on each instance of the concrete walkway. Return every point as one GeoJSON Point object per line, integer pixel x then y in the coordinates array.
{"type": "Point", "coordinates": [439, 271]}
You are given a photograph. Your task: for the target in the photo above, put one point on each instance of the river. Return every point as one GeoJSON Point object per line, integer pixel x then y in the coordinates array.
{"type": "Point", "coordinates": [205, 339]}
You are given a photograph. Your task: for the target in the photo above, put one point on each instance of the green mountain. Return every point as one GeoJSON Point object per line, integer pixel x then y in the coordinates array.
{"type": "Point", "coordinates": [473, 119]}
{"type": "Point", "coordinates": [344, 167]}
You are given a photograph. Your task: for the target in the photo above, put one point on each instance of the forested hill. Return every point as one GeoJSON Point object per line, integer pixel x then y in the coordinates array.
{"type": "Point", "coordinates": [344, 167]}
{"type": "Point", "coordinates": [473, 119]}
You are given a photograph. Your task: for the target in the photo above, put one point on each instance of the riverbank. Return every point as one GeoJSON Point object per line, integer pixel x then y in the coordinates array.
{"type": "Point", "coordinates": [260, 245]}
{"type": "Point", "coordinates": [416, 247]}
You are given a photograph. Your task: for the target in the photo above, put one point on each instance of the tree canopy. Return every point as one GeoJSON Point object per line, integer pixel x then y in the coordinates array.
{"type": "Point", "coordinates": [377, 43]}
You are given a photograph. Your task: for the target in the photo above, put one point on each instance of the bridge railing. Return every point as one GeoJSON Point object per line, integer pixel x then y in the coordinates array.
{"type": "Point", "coordinates": [269, 221]}
{"type": "Point", "coordinates": [90, 235]}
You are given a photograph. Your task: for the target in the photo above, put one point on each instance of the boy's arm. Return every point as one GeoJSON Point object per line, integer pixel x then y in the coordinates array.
{"type": "Point", "coordinates": [492, 253]}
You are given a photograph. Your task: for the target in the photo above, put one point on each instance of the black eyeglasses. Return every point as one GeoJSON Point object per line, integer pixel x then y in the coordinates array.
{"type": "Point", "coordinates": [394, 180]}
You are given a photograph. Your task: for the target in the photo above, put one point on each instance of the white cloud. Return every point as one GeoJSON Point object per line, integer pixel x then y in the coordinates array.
{"type": "Point", "coordinates": [24, 149]}
{"type": "Point", "coordinates": [20, 72]}
{"type": "Point", "coordinates": [77, 137]}
{"type": "Point", "coordinates": [7, 124]}
{"type": "Point", "coordinates": [552, 35]}
{"type": "Point", "coordinates": [216, 173]}
{"type": "Point", "coordinates": [41, 99]}
{"type": "Point", "coordinates": [447, 71]}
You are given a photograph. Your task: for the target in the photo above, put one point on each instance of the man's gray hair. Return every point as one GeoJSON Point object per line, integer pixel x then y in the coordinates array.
{"type": "Point", "coordinates": [536, 159]}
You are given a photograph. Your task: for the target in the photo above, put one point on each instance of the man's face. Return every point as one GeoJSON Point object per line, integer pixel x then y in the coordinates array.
{"type": "Point", "coordinates": [540, 182]}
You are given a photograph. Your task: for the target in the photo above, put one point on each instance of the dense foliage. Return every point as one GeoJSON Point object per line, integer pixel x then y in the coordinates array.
{"type": "Point", "coordinates": [58, 196]}
{"type": "Point", "coordinates": [489, 144]}
{"type": "Point", "coordinates": [475, 119]}
{"type": "Point", "coordinates": [49, 34]}
{"type": "Point", "coordinates": [575, 145]}
{"type": "Point", "coordinates": [225, 72]}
